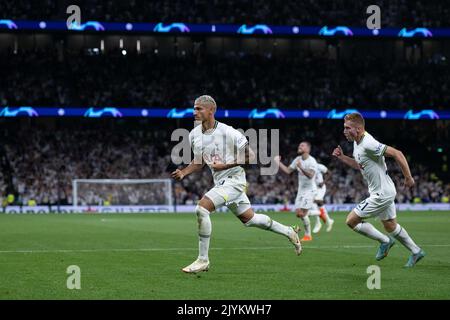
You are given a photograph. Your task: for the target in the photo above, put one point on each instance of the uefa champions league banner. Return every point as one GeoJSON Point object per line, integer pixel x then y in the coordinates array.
{"type": "Point", "coordinates": [222, 29]}
{"type": "Point", "coordinates": [191, 208]}
{"type": "Point", "coordinates": [188, 113]}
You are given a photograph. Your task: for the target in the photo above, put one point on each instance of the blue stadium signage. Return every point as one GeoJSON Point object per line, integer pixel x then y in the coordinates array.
{"type": "Point", "coordinates": [187, 113]}
{"type": "Point", "coordinates": [226, 29]}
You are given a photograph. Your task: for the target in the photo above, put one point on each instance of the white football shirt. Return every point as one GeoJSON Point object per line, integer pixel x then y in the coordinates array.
{"type": "Point", "coordinates": [304, 183]}
{"type": "Point", "coordinates": [369, 154]}
{"type": "Point", "coordinates": [321, 170]}
{"type": "Point", "coordinates": [220, 144]}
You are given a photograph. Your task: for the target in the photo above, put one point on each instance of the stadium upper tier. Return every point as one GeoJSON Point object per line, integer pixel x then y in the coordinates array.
{"type": "Point", "coordinates": [394, 13]}
{"type": "Point", "coordinates": [236, 80]}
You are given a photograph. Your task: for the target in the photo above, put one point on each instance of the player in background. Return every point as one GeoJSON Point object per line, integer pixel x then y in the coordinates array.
{"type": "Point", "coordinates": [306, 166]}
{"type": "Point", "coordinates": [319, 210]}
{"type": "Point", "coordinates": [369, 158]}
{"type": "Point", "coordinates": [223, 149]}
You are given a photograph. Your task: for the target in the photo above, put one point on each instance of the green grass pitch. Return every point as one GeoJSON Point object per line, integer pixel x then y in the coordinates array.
{"type": "Point", "coordinates": [139, 256]}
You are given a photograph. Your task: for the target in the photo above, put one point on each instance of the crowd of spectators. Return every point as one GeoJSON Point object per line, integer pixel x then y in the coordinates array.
{"type": "Point", "coordinates": [235, 80]}
{"type": "Point", "coordinates": [394, 13]}
{"type": "Point", "coordinates": [43, 161]}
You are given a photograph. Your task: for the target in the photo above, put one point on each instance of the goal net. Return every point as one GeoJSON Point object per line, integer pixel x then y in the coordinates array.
{"type": "Point", "coordinates": [122, 192]}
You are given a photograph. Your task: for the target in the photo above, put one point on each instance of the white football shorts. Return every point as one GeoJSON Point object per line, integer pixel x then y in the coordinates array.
{"type": "Point", "coordinates": [377, 206]}
{"type": "Point", "coordinates": [230, 194]}
{"type": "Point", "coordinates": [305, 200]}
{"type": "Point", "coordinates": [320, 194]}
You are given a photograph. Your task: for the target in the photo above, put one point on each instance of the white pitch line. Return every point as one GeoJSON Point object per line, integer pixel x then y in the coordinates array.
{"type": "Point", "coordinates": [194, 249]}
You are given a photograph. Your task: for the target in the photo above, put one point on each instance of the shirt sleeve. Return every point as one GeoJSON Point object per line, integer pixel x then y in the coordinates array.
{"type": "Point", "coordinates": [322, 168]}
{"type": "Point", "coordinates": [375, 148]}
{"type": "Point", "coordinates": [191, 140]}
{"type": "Point", "coordinates": [239, 139]}
{"type": "Point", "coordinates": [293, 164]}
{"type": "Point", "coordinates": [319, 173]}
{"type": "Point", "coordinates": [198, 157]}
{"type": "Point", "coordinates": [319, 178]}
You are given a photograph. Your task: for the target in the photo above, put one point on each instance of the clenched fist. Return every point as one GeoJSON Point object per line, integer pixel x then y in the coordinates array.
{"type": "Point", "coordinates": [337, 152]}
{"type": "Point", "coordinates": [177, 174]}
{"type": "Point", "coordinates": [409, 182]}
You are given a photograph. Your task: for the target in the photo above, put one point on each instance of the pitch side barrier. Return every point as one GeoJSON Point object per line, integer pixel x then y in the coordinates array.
{"type": "Point", "coordinates": [191, 208]}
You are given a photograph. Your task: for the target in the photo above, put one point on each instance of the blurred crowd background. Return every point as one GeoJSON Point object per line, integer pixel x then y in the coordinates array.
{"type": "Point", "coordinates": [236, 80]}
{"type": "Point", "coordinates": [39, 161]}
{"type": "Point", "coordinates": [408, 13]}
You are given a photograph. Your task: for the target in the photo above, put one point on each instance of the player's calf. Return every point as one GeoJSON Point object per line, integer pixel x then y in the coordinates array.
{"type": "Point", "coordinates": [204, 235]}
{"type": "Point", "coordinates": [264, 222]}
{"type": "Point", "coordinates": [204, 231]}
{"type": "Point", "coordinates": [365, 228]}
{"type": "Point", "coordinates": [303, 215]}
{"type": "Point", "coordinates": [403, 237]}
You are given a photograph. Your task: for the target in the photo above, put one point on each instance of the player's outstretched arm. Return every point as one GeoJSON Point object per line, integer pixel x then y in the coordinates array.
{"type": "Point", "coordinates": [281, 165]}
{"type": "Point", "coordinates": [192, 167]}
{"type": "Point", "coordinates": [402, 162]}
{"type": "Point", "coordinates": [338, 153]}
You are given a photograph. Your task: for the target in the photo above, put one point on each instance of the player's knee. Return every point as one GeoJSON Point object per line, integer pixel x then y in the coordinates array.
{"type": "Point", "coordinates": [352, 220]}
{"type": "Point", "coordinates": [243, 212]}
{"type": "Point", "coordinates": [300, 213]}
{"type": "Point", "coordinates": [351, 223]}
{"type": "Point", "coordinates": [389, 226]}
{"type": "Point", "coordinates": [206, 203]}
{"type": "Point", "coordinates": [201, 213]}
{"type": "Point", "coordinates": [248, 222]}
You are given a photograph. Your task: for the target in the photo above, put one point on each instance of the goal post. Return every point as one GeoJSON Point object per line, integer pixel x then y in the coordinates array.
{"type": "Point", "coordinates": [121, 192]}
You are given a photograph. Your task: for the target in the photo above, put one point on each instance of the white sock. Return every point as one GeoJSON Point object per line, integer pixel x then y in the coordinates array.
{"type": "Point", "coordinates": [371, 232]}
{"type": "Point", "coordinates": [204, 232]}
{"type": "Point", "coordinates": [325, 213]}
{"type": "Point", "coordinates": [318, 220]}
{"type": "Point", "coordinates": [307, 225]}
{"type": "Point", "coordinates": [265, 222]}
{"type": "Point", "coordinates": [314, 212]}
{"type": "Point", "coordinates": [401, 235]}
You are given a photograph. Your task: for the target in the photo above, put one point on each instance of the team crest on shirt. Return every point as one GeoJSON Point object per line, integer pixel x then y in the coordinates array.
{"type": "Point", "coordinates": [378, 149]}
{"type": "Point", "coordinates": [211, 154]}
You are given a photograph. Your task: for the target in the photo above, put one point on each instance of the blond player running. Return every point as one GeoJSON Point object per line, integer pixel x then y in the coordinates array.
{"type": "Point", "coordinates": [368, 157]}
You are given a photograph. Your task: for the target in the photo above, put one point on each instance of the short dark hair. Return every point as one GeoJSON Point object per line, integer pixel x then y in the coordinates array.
{"type": "Point", "coordinates": [308, 143]}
